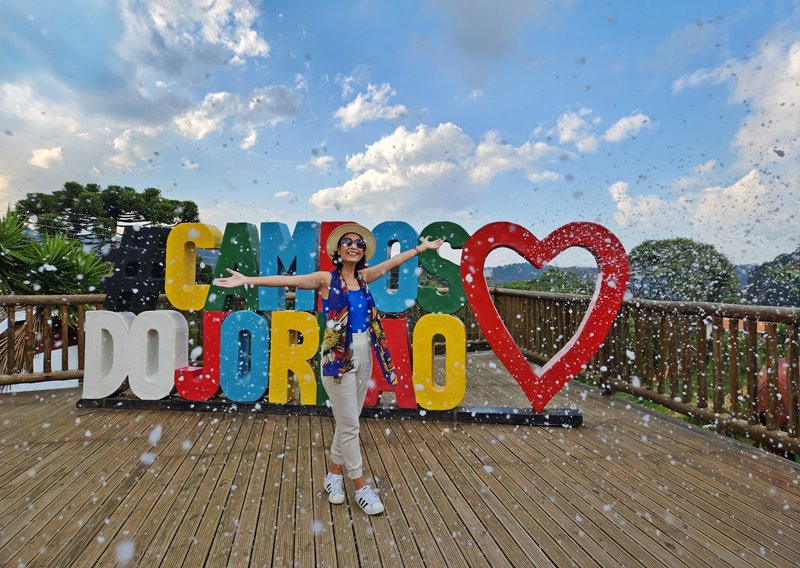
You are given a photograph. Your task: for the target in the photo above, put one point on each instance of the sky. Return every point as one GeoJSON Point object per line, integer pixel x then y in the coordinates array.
{"type": "Point", "coordinates": [654, 119]}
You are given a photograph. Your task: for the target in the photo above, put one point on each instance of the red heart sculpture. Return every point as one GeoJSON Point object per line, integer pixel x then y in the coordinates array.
{"type": "Point", "coordinates": [612, 263]}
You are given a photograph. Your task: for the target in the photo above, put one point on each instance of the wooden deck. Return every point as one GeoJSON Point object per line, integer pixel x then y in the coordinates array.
{"type": "Point", "coordinates": [629, 488]}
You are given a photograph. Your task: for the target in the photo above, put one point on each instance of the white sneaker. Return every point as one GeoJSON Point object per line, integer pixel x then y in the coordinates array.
{"type": "Point", "coordinates": [334, 485]}
{"type": "Point", "coordinates": [369, 502]}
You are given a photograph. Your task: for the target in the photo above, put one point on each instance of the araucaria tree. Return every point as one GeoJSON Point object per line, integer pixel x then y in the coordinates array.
{"type": "Point", "coordinates": [92, 214]}
{"type": "Point", "coordinates": [682, 270]}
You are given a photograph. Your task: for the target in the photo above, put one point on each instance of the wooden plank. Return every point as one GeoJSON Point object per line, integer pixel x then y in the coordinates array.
{"type": "Point", "coordinates": [65, 488]}
{"type": "Point", "coordinates": [155, 531]}
{"type": "Point", "coordinates": [403, 544]}
{"type": "Point", "coordinates": [142, 522]}
{"type": "Point", "coordinates": [141, 495]}
{"type": "Point", "coordinates": [255, 494]}
{"type": "Point", "coordinates": [322, 527]}
{"type": "Point", "coordinates": [264, 544]}
{"type": "Point", "coordinates": [181, 517]}
{"type": "Point", "coordinates": [185, 542]}
{"type": "Point", "coordinates": [210, 526]}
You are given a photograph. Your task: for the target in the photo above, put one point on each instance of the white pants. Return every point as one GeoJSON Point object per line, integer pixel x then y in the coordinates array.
{"type": "Point", "coordinates": [347, 400]}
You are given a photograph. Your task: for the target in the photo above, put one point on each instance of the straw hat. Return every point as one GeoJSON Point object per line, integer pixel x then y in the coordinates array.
{"type": "Point", "coordinates": [333, 239]}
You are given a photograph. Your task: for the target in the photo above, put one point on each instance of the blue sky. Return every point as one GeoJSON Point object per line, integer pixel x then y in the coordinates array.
{"type": "Point", "coordinates": [655, 119]}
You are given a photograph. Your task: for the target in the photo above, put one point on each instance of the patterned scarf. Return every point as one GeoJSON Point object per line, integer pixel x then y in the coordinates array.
{"type": "Point", "coordinates": [337, 342]}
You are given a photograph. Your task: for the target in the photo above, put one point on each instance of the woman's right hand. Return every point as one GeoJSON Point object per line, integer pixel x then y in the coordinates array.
{"type": "Point", "coordinates": [235, 280]}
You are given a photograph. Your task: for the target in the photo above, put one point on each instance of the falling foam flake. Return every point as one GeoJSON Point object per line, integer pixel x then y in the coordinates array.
{"type": "Point", "coordinates": [155, 435]}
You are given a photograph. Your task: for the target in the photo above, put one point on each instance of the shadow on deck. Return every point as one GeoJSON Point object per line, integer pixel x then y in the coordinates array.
{"type": "Point", "coordinates": [630, 487]}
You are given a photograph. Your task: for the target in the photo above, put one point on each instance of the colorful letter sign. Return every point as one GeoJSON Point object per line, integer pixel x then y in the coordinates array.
{"type": "Point", "coordinates": [255, 353]}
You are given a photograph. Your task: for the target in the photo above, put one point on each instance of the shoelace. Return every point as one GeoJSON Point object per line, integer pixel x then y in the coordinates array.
{"type": "Point", "coordinates": [336, 484]}
{"type": "Point", "coordinates": [366, 496]}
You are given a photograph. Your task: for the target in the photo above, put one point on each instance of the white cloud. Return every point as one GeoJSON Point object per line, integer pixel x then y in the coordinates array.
{"type": "Point", "coordinates": [626, 127]}
{"type": "Point", "coordinates": [320, 163]}
{"type": "Point", "coordinates": [133, 145]}
{"type": "Point", "coordinates": [206, 117]}
{"type": "Point", "coordinates": [537, 177]}
{"type": "Point", "coordinates": [751, 220]}
{"type": "Point", "coordinates": [46, 157]}
{"type": "Point", "coordinates": [282, 194]}
{"type": "Point", "coordinates": [372, 105]}
{"type": "Point", "coordinates": [474, 95]}
{"type": "Point", "coordinates": [223, 212]}
{"type": "Point", "coordinates": [424, 167]}
{"type": "Point", "coordinates": [573, 128]}
{"type": "Point", "coordinates": [706, 167]}
{"type": "Point", "coordinates": [23, 103]}
{"type": "Point", "coordinates": [700, 77]}
{"type": "Point", "coordinates": [493, 157]}
{"type": "Point", "coordinates": [767, 82]}
{"type": "Point", "coordinates": [265, 106]}
{"type": "Point", "coordinates": [169, 34]}
{"type": "Point", "coordinates": [188, 164]}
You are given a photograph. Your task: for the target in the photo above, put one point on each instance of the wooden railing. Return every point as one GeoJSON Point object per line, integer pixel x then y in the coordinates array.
{"type": "Point", "coordinates": [42, 324]}
{"type": "Point", "coordinates": [702, 360]}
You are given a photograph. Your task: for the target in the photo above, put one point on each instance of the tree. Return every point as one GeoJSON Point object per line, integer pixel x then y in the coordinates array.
{"type": "Point", "coordinates": [15, 253]}
{"type": "Point", "coordinates": [682, 270]}
{"type": "Point", "coordinates": [776, 283]}
{"type": "Point", "coordinates": [53, 265]}
{"type": "Point", "coordinates": [92, 214]}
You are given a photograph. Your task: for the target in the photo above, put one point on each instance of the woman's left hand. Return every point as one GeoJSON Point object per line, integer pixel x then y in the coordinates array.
{"type": "Point", "coordinates": [426, 243]}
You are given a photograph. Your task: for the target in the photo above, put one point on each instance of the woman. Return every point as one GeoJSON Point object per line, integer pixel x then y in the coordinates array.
{"type": "Point", "coordinates": [352, 329]}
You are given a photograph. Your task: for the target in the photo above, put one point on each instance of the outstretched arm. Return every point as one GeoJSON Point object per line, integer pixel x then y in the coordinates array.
{"type": "Point", "coordinates": [313, 281]}
{"type": "Point", "coordinates": [375, 272]}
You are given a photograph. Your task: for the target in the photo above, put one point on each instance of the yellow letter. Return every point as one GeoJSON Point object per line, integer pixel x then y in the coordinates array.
{"type": "Point", "coordinates": [179, 282]}
{"type": "Point", "coordinates": [286, 356]}
{"type": "Point", "coordinates": [430, 395]}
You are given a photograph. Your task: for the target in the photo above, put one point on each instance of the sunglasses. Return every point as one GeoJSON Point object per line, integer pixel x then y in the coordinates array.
{"type": "Point", "coordinates": [347, 241]}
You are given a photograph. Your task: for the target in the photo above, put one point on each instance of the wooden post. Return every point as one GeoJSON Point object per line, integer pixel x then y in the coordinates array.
{"type": "Point", "coordinates": [716, 358]}
{"type": "Point", "coordinates": [733, 364]}
{"type": "Point", "coordinates": [771, 364]}
{"type": "Point", "coordinates": [701, 344]}
{"type": "Point", "coordinates": [792, 379]}
{"type": "Point", "coordinates": [751, 369]}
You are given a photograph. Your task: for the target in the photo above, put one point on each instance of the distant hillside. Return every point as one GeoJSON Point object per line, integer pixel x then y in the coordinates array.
{"type": "Point", "coordinates": [499, 275]}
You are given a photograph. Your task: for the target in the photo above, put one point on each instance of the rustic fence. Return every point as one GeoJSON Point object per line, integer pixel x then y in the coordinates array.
{"type": "Point", "coordinates": [731, 366]}
{"type": "Point", "coordinates": [701, 360]}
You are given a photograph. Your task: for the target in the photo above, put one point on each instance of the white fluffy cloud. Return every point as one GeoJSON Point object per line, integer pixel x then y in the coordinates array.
{"type": "Point", "coordinates": [133, 145]}
{"type": "Point", "coordinates": [46, 157]}
{"type": "Point", "coordinates": [573, 128]}
{"type": "Point", "coordinates": [751, 220]}
{"type": "Point", "coordinates": [266, 106]}
{"type": "Point", "coordinates": [320, 163]}
{"type": "Point", "coordinates": [372, 105]}
{"type": "Point", "coordinates": [626, 127]}
{"type": "Point", "coordinates": [168, 34]}
{"type": "Point", "coordinates": [408, 168]}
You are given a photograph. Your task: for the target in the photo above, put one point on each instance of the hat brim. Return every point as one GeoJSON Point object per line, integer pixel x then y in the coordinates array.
{"type": "Point", "coordinates": [333, 239]}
